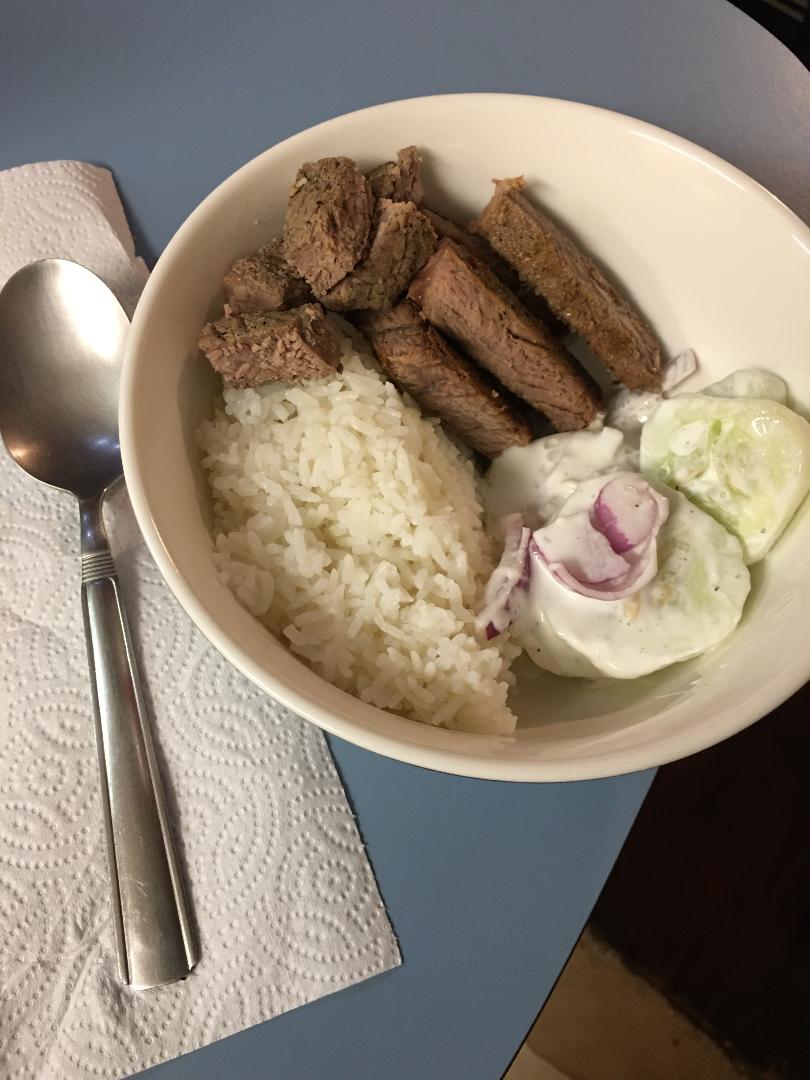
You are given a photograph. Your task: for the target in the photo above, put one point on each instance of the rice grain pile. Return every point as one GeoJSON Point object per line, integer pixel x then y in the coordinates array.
{"type": "Point", "coordinates": [350, 525]}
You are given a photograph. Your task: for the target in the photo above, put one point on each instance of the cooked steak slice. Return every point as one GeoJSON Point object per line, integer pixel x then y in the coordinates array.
{"type": "Point", "coordinates": [442, 381]}
{"type": "Point", "coordinates": [462, 297]}
{"type": "Point", "coordinates": [265, 282]}
{"type": "Point", "coordinates": [269, 346]}
{"type": "Point", "coordinates": [471, 241]}
{"type": "Point", "coordinates": [403, 240]}
{"type": "Point", "coordinates": [482, 249]}
{"type": "Point", "coordinates": [328, 221]}
{"type": "Point", "coordinates": [399, 180]}
{"type": "Point", "coordinates": [548, 260]}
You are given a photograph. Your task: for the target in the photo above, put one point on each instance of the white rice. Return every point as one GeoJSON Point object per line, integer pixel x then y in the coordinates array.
{"type": "Point", "coordinates": [350, 525]}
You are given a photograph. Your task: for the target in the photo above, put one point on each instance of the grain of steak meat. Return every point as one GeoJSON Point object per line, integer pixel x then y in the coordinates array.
{"type": "Point", "coordinates": [254, 348]}
{"type": "Point", "coordinates": [265, 282]}
{"type": "Point", "coordinates": [399, 180]}
{"type": "Point", "coordinates": [328, 223]}
{"type": "Point", "coordinates": [464, 299]}
{"type": "Point", "coordinates": [483, 250]}
{"type": "Point", "coordinates": [548, 260]}
{"type": "Point", "coordinates": [442, 381]}
{"type": "Point", "coordinates": [403, 240]}
{"type": "Point", "coordinates": [445, 228]}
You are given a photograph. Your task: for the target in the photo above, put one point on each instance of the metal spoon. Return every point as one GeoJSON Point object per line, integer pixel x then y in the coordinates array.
{"type": "Point", "coordinates": [62, 335]}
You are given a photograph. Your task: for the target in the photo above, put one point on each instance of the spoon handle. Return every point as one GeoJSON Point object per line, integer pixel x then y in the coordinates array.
{"type": "Point", "coordinates": [153, 933]}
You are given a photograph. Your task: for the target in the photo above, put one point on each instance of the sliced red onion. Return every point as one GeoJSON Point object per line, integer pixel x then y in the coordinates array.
{"type": "Point", "coordinates": [679, 368]}
{"type": "Point", "coordinates": [637, 575]}
{"type": "Point", "coordinates": [572, 541]}
{"type": "Point", "coordinates": [626, 510]}
{"type": "Point", "coordinates": [510, 574]}
{"type": "Point", "coordinates": [608, 552]}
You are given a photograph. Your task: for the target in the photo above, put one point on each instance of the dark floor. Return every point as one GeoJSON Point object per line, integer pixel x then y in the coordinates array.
{"type": "Point", "coordinates": [710, 898]}
{"type": "Point", "coordinates": [789, 20]}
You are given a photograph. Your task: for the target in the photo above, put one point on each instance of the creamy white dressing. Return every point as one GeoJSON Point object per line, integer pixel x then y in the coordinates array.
{"type": "Point", "coordinates": [629, 410]}
{"type": "Point", "coordinates": [536, 480]}
{"type": "Point", "coordinates": [735, 450]}
{"type": "Point", "coordinates": [692, 604]}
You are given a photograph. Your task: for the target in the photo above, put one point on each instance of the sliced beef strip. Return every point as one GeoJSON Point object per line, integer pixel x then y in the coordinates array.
{"type": "Point", "coordinates": [464, 299]}
{"type": "Point", "coordinates": [549, 261]}
{"type": "Point", "coordinates": [265, 282]}
{"type": "Point", "coordinates": [399, 180]}
{"type": "Point", "coordinates": [483, 250]}
{"type": "Point", "coordinates": [403, 240]}
{"type": "Point", "coordinates": [442, 381]}
{"type": "Point", "coordinates": [328, 221]}
{"type": "Point", "coordinates": [471, 241]}
{"type": "Point", "coordinates": [288, 346]}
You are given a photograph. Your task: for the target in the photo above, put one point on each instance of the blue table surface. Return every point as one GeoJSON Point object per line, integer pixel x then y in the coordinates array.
{"type": "Point", "coordinates": [488, 885]}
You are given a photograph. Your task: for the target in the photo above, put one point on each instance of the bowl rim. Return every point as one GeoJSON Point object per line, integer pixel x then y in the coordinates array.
{"type": "Point", "coordinates": [609, 762]}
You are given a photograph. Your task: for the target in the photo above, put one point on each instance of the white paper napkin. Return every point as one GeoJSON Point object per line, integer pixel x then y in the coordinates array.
{"type": "Point", "coordinates": [284, 900]}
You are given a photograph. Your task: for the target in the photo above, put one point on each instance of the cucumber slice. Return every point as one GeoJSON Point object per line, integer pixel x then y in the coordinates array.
{"type": "Point", "coordinates": [744, 461]}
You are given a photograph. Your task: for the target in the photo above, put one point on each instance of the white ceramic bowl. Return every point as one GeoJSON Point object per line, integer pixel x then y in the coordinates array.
{"type": "Point", "coordinates": [713, 260]}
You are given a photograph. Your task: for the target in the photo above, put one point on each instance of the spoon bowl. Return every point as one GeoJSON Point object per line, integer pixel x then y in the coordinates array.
{"type": "Point", "coordinates": [59, 403]}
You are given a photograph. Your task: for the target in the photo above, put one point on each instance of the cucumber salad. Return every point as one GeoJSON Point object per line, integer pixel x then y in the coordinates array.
{"type": "Point", "coordinates": [626, 547]}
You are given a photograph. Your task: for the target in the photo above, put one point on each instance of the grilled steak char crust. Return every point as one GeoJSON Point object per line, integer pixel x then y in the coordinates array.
{"type": "Point", "coordinates": [442, 381]}
{"type": "Point", "coordinates": [265, 282]}
{"type": "Point", "coordinates": [464, 299]}
{"type": "Point", "coordinates": [293, 346]}
{"type": "Point", "coordinates": [576, 290]}
{"type": "Point", "coordinates": [403, 239]}
{"type": "Point", "coordinates": [328, 223]}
